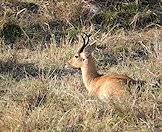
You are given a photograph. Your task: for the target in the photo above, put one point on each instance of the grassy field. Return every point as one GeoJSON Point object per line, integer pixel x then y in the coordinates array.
{"type": "Point", "coordinates": [37, 92]}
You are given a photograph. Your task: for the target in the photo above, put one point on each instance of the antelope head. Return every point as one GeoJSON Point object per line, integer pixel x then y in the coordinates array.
{"type": "Point", "coordinates": [83, 56]}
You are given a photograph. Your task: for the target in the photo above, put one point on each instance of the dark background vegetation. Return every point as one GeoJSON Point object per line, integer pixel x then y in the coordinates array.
{"type": "Point", "coordinates": [35, 22]}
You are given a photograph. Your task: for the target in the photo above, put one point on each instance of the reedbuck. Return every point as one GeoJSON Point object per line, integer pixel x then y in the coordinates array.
{"type": "Point", "coordinates": [102, 86]}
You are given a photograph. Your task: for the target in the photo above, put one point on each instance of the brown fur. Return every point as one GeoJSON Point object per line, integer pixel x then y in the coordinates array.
{"type": "Point", "coordinates": [96, 84]}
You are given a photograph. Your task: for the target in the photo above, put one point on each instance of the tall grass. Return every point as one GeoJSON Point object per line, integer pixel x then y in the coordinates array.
{"type": "Point", "coordinates": [39, 94]}
{"type": "Point", "coordinates": [37, 91]}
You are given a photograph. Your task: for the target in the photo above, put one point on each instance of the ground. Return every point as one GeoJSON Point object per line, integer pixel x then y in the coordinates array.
{"type": "Point", "coordinates": [38, 93]}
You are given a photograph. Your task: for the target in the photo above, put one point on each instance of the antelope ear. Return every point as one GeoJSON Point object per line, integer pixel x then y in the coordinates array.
{"type": "Point", "coordinates": [89, 49]}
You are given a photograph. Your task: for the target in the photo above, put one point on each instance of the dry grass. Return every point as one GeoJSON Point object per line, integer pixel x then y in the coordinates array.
{"type": "Point", "coordinates": [38, 94]}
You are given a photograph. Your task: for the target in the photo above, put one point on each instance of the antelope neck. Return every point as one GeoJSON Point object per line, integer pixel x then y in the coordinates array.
{"type": "Point", "coordinates": [89, 73]}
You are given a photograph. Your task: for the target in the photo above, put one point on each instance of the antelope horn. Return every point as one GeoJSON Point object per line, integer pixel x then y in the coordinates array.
{"type": "Point", "coordinates": [88, 36]}
{"type": "Point", "coordinates": [84, 42]}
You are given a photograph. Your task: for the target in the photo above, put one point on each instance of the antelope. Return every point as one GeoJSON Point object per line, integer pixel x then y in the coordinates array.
{"type": "Point", "coordinates": [102, 86]}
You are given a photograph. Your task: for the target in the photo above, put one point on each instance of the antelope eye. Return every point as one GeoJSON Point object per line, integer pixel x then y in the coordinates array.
{"type": "Point", "coordinates": [76, 56]}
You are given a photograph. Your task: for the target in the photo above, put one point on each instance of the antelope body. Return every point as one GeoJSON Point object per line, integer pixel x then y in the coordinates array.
{"type": "Point", "coordinates": [102, 86]}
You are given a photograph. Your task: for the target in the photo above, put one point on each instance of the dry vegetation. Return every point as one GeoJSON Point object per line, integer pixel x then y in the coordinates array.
{"type": "Point", "coordinates": [37, 92]}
